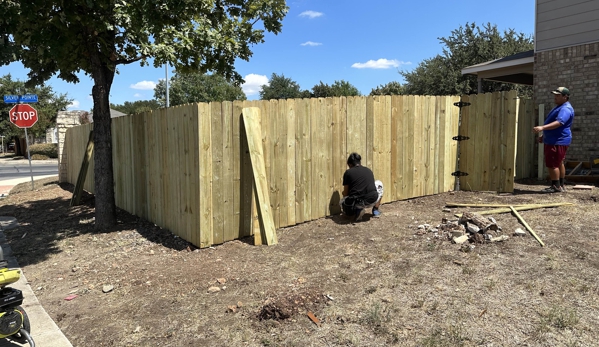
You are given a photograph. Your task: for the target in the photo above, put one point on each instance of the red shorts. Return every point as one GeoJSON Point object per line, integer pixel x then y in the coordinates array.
{"type": "Point", "coordinates": [555, 155]}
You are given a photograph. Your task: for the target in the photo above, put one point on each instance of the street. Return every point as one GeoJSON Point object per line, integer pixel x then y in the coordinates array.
{"type": "Point", "coordinates": [18, 169]}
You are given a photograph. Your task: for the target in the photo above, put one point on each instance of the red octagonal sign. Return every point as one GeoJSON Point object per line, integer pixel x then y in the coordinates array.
{"type": "Point", "coordinates": [23, 116]}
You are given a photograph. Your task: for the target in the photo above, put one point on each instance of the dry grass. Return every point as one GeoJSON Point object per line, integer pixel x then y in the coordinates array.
{"type": "Point", "coordinates": [377, 283]}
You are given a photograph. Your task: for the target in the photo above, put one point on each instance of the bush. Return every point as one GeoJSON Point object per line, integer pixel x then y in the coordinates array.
{"type": "Point", "coordinates": [49, 150]}
{"type": "Point", "coordinates": [39, 157]}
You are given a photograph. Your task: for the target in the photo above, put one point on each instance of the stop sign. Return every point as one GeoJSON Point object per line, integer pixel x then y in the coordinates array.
{"type": "Point", "coordinates": [23, 116]}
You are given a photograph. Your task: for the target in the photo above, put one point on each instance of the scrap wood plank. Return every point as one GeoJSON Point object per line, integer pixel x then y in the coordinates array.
{"type": "Point", "coordinates": [452, 204]}
{"type": "Point", "coordinates": [582, 186]}
{"type": "Point", "coordinates": [83, 170]}
{"type": "Point", "coordinates": [519, 208]}
{"type": "Point", "coordinates": [251, 119]}
{"type": "Point", "coordinates": [526, 225]}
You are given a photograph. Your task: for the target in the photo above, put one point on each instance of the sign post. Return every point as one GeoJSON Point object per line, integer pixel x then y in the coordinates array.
{"type": "Point", "coordinates": [24, 116]}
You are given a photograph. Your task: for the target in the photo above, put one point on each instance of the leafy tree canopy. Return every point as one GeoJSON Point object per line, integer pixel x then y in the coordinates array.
{"type": "Point", "coordinates": [185, 88]}
{"type": "Point", "coordinates": [391, 88]}
{"type": "Point", "coordinates": [339, 88]}
{"type": "Point", "coordinates": [281, 87]}
{"type": "Point", "coordinates": [66, 37]}
{"type": "Point", "coordinates": [48, 105]}
{"type": "Point", "coordinates": [466, 46]}
{"type": "Point", "coordinates": [139, 106]}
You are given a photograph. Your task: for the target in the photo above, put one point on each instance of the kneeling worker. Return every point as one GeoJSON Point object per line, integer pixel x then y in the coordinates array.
{"type": "Point", "coordinates": [360, 190]}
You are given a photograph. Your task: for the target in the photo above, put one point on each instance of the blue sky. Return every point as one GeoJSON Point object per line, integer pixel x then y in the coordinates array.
{"type": "Point", "coordinates": [363, 42]}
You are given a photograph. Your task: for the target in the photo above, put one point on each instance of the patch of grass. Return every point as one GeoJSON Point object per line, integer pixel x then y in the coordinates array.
{"type": "Point", "coordinates": [454, 336]}
{"type": "Point", "coordinates": [560, 318]}
{"type": "Point", "coordinates": [376, 316]}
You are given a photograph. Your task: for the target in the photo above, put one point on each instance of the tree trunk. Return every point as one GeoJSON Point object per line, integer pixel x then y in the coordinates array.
{"type": "Point", "coordinates": [104, 181]}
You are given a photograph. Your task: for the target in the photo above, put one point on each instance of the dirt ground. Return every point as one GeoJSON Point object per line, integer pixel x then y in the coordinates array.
{"type": "Point", "coordinates": [380, 282]}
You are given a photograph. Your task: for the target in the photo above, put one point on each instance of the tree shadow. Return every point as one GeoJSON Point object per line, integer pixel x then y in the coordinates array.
{"type": "Point", "coordinates": [45, 224]}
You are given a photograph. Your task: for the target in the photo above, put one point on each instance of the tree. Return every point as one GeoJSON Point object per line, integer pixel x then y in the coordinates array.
{"type": "Point", "coordinates": [136, 107]}
{"type": "Point", "coordinates": [466, 46]}
{"type": "Point", "coordinates": [391, 88]}
{"type": "Point", "coordinates": [48, 105]}
{"type": "Point", "coordinates": [197, 87]}
{"type": "Point", "coordinates": [339, 88]}
{"type": "Point", "coordinates": [281, 87]}
{"type": "Point", "coordinates": [65, 37]}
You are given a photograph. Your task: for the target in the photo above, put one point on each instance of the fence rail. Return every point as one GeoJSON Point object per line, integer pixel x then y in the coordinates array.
{"type": "Point", "coordinates": [187, 168]}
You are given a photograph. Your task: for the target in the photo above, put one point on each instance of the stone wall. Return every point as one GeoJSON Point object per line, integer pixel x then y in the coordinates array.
{"type": "Point", "coordinates": [65, 120]}
{"type": "Point", "coordinates": [576, 68]}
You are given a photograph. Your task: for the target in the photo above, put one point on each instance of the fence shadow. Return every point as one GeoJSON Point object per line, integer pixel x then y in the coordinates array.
{"type": "Point", "coordinates": [46, 223]}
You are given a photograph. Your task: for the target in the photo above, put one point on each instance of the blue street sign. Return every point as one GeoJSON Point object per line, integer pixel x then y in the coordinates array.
{"type": "Point", "coordinates": [14, 99]}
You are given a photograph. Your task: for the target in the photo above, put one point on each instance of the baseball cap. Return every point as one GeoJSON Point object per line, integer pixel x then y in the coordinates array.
{"type": "Point", "coordinates": [561, 90]}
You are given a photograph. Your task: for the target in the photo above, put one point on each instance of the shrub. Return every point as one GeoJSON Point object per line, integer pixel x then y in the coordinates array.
{"type": "Point", "coordinates": [39, 157]}
{"type": "Point", "coordinates": [49, 150]}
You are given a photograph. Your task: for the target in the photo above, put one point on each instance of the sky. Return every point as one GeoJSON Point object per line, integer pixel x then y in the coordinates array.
{"type": "Point", "coordinates": [365, 43]}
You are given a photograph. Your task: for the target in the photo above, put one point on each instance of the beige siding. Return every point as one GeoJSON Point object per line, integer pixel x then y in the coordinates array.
{"type": "Point", "coordinates": [566, 23]}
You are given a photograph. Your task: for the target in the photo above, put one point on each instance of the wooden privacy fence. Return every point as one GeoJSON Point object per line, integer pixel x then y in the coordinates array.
{"type": "Point", "coordinates": [187, 168]}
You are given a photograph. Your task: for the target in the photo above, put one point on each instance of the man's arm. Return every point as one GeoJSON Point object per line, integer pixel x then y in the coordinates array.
{"type": "Point", "coordinates": [550, 126]}
{"type": "Point", "coordinates": [345, 190]}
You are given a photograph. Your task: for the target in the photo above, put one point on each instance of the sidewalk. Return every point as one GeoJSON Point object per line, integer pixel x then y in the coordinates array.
{"type": "Point", "coordinates": [7, 185]}
{"type": "Point", "coordinates": [44, 331]}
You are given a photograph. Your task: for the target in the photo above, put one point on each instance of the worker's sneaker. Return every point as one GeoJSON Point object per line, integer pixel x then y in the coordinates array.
{"type": "Point", "coordinates": [552, 189]}
{"type": "Point", "coordinates": [563, 189]}
{"type": "Point", "coordinates": [376, 212]}
{"type": "Point", "coordinates": [360, 215]}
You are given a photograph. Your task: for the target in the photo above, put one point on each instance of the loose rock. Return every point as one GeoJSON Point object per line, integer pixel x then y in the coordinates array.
{"type": "Point", "coordinates": [213, 289]}
{"type": "Point", "coordinates": [107, 288]}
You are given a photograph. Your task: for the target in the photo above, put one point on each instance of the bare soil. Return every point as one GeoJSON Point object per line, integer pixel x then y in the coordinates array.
{"type": "Point", "coordinates": [380, 282]}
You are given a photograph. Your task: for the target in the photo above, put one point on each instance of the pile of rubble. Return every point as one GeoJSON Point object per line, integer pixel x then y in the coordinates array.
{"type": "Point", "coordinates": [470, 227]}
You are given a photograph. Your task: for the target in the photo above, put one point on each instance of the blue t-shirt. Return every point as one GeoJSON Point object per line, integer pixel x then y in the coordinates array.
{"type": "Point", "coordinates": [564, 114]}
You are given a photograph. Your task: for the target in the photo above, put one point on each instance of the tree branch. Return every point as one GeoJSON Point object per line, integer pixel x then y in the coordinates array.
{"type": "Point", "coordinates": [129, 61]}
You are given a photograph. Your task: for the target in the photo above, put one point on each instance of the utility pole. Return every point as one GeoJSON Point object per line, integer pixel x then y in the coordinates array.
{"type": "Point", "coordinates": [166, 73]}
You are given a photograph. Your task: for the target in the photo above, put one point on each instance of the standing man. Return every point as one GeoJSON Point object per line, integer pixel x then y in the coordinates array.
{"type": "Point", "coordinates": [557, 137]}
{"type": "Point", "coordinates": [360, 190]}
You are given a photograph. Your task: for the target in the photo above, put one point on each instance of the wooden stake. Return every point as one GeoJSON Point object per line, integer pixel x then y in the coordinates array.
{"type": "Point", "coordinates": [519, 208]}
{"type": "Point", "coordinates": [455, 204]}
{"type": "Point", "coordinates": [83, 170]}
{"type": "Point", "coordinates": [526, 225]}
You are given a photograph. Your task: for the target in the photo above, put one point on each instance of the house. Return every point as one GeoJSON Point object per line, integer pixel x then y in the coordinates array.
{"type": "Point", "coordinates": [566, 54]}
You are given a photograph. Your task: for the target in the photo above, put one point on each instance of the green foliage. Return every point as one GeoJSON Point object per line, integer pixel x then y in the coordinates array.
{"type": "Point", "coordinates": [466, 46]}
{"type": "Point", "coordinates": [49, 150]}
{"type": "Point", "coordinates": [391, 88]}
{"type": "Point", "coordinates": [63, 38]}
{"type": "Point", "coordinates": [281, 87]}
{"type": "Point", "coordinates": [47, 108]}
{"type": "Point", "coordinates": [186, 88]}
{"type": "Point", "coordinates": [139, 106]}
{"type": "Point", "coordinates": [339, 88]}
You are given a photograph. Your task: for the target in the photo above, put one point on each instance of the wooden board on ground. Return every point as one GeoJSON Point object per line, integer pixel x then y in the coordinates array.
{"type": "Point", "coordinates": [251, 119]}
{"type": "Point", "coordinates": [582, 187]}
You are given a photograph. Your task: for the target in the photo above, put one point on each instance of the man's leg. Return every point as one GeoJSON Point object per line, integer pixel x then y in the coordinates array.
{"type": "Point", "coordinates": [553, 167]}
{"type": "Point", "coordinates": [380, 190]}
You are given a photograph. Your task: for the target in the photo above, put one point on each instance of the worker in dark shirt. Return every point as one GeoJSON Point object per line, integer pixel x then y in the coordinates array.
{"type": "Point", "coordinates": [360, 190]}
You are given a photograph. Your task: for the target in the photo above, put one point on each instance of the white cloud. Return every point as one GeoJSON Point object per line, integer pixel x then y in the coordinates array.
{"type": "Point", "coordinates": [310, 43]}
{"type": "Point", "coordinates": [253, 83]}
{"type": "Point", "coordinates": [143, 85]}
{"type": "Point", "coordinates": [380, 64]}
{"type": "Point", "coordinates": [138, 95]}
{"type": "Point", "coordinates": [311, 14]}
{"type": "Point", "coordinates": [74, 105]}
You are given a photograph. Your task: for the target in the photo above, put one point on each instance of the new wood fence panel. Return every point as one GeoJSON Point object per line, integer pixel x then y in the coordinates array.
{"type": "Point", "coordinates": [451, 155]}
{"type": "Point", "coordinates": [289, 180]}
{"type": "Point", "coordinates": [206, 236]}
{"type": "Point", "coordinates": [394, 189]}
{"type": "Point", "coordinates": [193, 158]}
{"type": "Point", "coordinates": [231, 224]}
{"type": "Point", "coordinates": [463, 163]}
{"type": "Point", "coordinates": [356, 126]}
{"type": "Point", "coordinates": [367, 155]}
{"type": "Point", "coordinates": [327, 178]}
{"type": "Point", "coordinates": [418, 155]}
{"type": "Point", "coordinates": [509, 141]}
{"type": "Point", "coordinates": [246, 176]}
{"type": "Point", "coordinates": [381, 152]}
{"type": "Point", "coordinates": [217, 172]}
{"type": "Point", "coordinates": [408, 145]}
{"type": "Point", "coordinates": [280, 160]}
{"type": "Point", "coordinates": [303, 157]}
{"type": "Point", "coordinates": [319, 174]}
{"type": "Point", "coordinates": [140, 179]}
{"type": "Point", "coordinates": [429, 115]}
{"type": "Point", "coordinates": [339, 151]}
